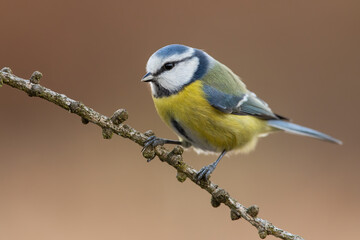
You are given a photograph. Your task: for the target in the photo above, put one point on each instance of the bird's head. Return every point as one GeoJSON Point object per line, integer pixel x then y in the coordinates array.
{"type": "Point", "coordinates": [173, 67]}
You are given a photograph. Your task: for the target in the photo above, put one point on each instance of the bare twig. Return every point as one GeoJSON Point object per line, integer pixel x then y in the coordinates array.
{"type": "Point", "coordinates": [173, 158]}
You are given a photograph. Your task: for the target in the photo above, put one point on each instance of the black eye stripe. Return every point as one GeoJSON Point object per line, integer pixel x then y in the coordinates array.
{"type": "Point", "coordinates": [163, 69]}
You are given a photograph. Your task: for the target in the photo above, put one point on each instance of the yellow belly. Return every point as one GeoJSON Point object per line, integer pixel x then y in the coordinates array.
{"type": "Point", "coordinates": [208, 128]}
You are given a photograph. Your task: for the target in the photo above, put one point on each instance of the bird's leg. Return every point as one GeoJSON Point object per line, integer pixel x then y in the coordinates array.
{"type": "Point", "coordinates": [207, 170]}
{"type": "Point", "coordinates": [155, 141]}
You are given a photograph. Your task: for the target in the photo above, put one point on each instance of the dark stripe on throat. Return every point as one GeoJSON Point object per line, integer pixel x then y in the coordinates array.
{"type": "Point", "coordinates": [160, 91]}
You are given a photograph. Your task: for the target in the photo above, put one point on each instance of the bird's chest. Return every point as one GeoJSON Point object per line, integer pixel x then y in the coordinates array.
{"type": "Point", "coordinates": [185, 107]}
{"type": "Point", "coordinates": [194, 119]}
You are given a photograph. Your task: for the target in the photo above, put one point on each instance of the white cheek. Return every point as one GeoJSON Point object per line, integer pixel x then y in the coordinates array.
{"type": "Point", "coordinates": [180, 75]}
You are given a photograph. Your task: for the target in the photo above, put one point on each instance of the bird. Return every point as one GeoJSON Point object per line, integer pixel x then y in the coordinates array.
{"type": "Point", "coordinates": [209, 107]}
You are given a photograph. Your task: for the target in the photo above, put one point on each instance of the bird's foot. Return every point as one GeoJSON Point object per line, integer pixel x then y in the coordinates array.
{"type": "Point", "coordinates": [205, 172]}
{"type": "Point", "coordinates": [153, 141]}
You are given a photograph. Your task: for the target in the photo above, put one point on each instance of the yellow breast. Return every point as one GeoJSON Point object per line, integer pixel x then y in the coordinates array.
{"type": "Point", "coordinates": [206, 127]}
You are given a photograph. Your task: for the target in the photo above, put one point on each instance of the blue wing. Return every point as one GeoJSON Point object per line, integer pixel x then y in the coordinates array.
{"type": "Point", "coordinates": [242, 104]}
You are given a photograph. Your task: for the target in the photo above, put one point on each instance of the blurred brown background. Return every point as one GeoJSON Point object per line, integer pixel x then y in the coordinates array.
{"type": "Point", "coordinates": [60, 180]}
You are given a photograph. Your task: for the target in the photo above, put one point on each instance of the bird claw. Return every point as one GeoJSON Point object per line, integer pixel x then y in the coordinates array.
{"type": "Point", "coordinates": [205, 172]}
{"type": "Point", "coordinates": [153, 141]}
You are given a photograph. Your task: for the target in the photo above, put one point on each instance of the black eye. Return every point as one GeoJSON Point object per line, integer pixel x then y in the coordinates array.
{"type": "Point", "coordinates": [168, 66]}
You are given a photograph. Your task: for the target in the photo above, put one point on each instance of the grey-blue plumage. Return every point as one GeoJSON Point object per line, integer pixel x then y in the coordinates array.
{"type": "Point", "coordinates": [301, 130]}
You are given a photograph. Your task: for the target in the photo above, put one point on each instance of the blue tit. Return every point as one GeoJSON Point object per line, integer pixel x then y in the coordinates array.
{"type": "Point", "coordinates": [209, 107]}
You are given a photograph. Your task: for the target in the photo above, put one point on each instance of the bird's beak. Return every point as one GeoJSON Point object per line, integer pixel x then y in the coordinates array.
{"type": "Point", "coordinates": [148, 77]}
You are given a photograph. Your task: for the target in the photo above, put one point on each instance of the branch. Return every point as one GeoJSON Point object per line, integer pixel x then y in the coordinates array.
{"type": "Point", "coordinates": [173, 158]}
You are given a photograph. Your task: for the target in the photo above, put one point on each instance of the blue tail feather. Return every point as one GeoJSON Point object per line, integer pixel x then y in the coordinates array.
{"type": "Point", "coordinates": [297, 129]}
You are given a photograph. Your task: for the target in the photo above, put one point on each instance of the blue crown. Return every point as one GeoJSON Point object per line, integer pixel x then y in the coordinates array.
{"type": "Point", "coordinates": [171, 50]}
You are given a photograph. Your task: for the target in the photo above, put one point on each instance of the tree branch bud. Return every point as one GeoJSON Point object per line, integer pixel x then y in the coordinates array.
{"type": "Point", "coordinates": [119, 116]}
{"type": "Point", "coordinates": [6, 69]}
{"type": "Point", "coordinates": [262, 233]}
{"type": "Point", "coordinates": [180, 176]}
{"type": "Point", "coordinates": [215, 203]}
{"type": "Point", "coordinates": [84, 120]}
{"type": "Point", "coordinates": [35, 77]}
{"type": "Point", "coordinates": [235, 215]}
{"type": "Point", "coordinates": [220, 195]}
{"type": "Point", "coordinates": [107, 133]}
{"type": "Point", "coordinates": [253, 211]}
